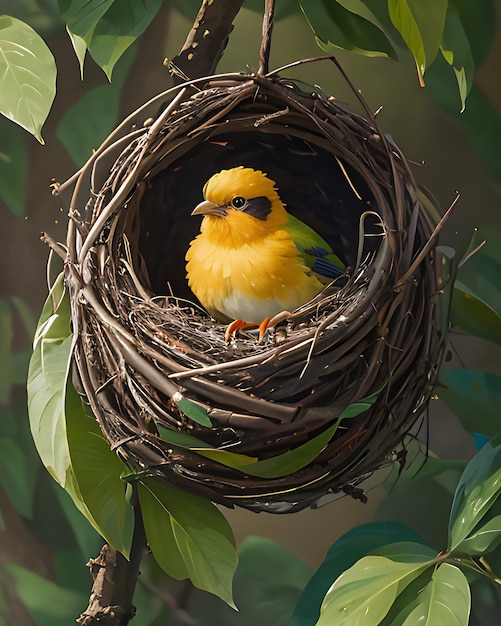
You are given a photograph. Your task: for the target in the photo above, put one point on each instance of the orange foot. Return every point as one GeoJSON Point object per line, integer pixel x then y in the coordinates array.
{"type": "Point", "coordinates": [268, 322]}
{"type": "Point", "coordinates": [236, 325]}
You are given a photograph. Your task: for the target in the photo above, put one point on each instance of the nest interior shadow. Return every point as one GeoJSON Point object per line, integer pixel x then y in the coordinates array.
{"type": "Point", "coordinates": [313, 413]}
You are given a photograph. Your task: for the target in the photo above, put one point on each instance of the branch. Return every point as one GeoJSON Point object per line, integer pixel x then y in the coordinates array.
{"type": "Point", "coordinates": [206, 41]}
{"type": "Point", "coordinates": [115, 578]}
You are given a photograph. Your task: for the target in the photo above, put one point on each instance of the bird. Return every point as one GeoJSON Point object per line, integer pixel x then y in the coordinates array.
{"type": "Point", "coordinates": [253, 260]}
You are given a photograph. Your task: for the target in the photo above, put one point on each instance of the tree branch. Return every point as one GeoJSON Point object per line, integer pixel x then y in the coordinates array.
{"type": "Point", "coordinates": [207, 40]}
{"type": "Point", "coordinates": [115, 578]}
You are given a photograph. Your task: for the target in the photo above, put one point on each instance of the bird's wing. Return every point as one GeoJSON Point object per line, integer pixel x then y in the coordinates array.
{"type": "Point", "coordinates": [316, 252]}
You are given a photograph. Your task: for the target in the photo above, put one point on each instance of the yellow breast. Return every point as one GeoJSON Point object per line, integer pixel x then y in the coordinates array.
{"type": "Point", "coordinates": [239, 277]}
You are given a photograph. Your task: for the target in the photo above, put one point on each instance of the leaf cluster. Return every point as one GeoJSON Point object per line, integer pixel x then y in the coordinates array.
{"type": "Point", "coordinates": [385, 573]}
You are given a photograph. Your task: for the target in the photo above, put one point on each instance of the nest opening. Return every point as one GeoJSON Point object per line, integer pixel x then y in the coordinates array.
{"type": "Point", "coordinates": [154, 366]}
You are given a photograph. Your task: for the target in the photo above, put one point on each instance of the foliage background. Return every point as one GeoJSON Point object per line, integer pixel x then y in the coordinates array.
{"type": "Point", "coordinates": [41, 532]}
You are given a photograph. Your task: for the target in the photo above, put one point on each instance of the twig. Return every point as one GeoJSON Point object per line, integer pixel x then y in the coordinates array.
{"type": "Point", "coordinates": [264, 53]}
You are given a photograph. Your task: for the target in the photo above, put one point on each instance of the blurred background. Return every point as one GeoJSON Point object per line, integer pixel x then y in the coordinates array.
{"type": "Point", "coordinates": [452, 151]}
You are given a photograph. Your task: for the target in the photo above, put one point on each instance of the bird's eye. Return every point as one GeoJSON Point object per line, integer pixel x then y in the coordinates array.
{"type": "Point", "coordinates": [238, 202]}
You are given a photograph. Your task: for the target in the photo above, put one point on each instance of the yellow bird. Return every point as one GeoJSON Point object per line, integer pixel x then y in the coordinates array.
{"type": "Point", "coordinates": [252, 260]}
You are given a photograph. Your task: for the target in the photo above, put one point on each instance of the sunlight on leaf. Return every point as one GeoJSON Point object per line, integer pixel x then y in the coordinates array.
{"type": "Point", "coordinates": [442, 599]}
{"type": "Point", "coordinates": [80, 48]}
{"type": "Point", "coordinates": [343, 554]}
{"type": "Point", "coordinates": [364, 594]}
{"type": "Point", "coordinates": [421, 24]}
{"type": "Point", "coordinates": [69, 443]}
{"type": "Point", "coordinates": [47, 376]}
{"type": "Point", "coordinates": [477, 491]}
{"type": "Point", "coordinates": [483, 539]}
{"type": "Point", "coordinates": [28, 76]}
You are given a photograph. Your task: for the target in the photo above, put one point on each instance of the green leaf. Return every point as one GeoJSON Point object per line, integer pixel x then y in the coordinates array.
{"type": "Point", "coordinates": [364, 594]}
{"type": "Point", "coordinates": [457, 52]}
{"type": "Point", "coordinates": [482, 540]}
{"type": "Point", "coordinates": [193, 411]}
{"type": "Point", "coordinates": [352, 546]}
{"type": "Point", "coordinates": [48, 603]}
{"type": "Point", "coordinates": [267, 583]}
{"type": "Point", "coordinates": [347, 24]}
{"type": "Point", "coordinates": [185, 440]}
{"type": "Point", "coordinates": [188, 537]}
{"type": "Point", "coordinates": [406, 552]}
{"type": "Point", "coordinates": [87, 123]}
{"type": "Point", "coordinates": [47, 377]}
{"type": "Point", "coordinates": [445, 599]}
{"type": "Point", "coordinates": [97, 470]}
{"type": "Point", "coordinates": [364, 404]}
{"type": "Point", "coordinates": [13, 167]}
{"type": "Point", "coordinates": [297, 458]}
{"type": "Point", "coordinates": [421, 24]}
{"type": "Point", "coordinates": [475, 398]}
{"type": "Point", "coordinates": [69, 443]}
{"type": "Point", "coordinates": [81, 16]}
{"type": "Point", "coordinates": [28, 71]}
{"type": "Point", "coordinates": [108, 27]}
{"type": "Point", "coordinates": [473, 315]}
{"type": "Point", "coordinates": [292, 460]}
{"type": "Point", "coordinates": [477, 491]}
{"type": "Point", "coordinates": [119, 27]}
{"type": "Point", "coordinates": [80, 48]}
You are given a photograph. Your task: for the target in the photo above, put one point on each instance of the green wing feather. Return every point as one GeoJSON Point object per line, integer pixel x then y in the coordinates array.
{"type": "Point", "coordinates": [316, 252]}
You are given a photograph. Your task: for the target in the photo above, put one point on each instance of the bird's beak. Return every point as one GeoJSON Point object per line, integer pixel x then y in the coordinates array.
{"type": "Point", "coordinates": [209, 208]}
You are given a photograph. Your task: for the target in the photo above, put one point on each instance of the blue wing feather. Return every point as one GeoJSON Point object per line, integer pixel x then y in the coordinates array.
{"type": "Point", "coordinates": [316, 252]}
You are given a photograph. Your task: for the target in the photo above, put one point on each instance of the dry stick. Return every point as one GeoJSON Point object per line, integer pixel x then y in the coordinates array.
{"type": "Point", "coordinates": [115, 578]}
{"type": "Point", "coordinates": [264, 53]}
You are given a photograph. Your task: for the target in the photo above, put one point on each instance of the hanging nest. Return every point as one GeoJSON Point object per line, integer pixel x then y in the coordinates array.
{"type": "Point", "coordinates": [329, 396]}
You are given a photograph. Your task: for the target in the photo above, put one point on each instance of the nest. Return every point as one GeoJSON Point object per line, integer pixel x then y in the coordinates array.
{"type": "Point", "coordinates": [356, 365]}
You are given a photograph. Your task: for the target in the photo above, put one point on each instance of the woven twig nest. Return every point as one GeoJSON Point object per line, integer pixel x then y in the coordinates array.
{"type": "Point", "coordinates": [154, 366]}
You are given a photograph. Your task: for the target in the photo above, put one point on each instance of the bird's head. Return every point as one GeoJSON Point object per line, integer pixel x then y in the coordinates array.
{"type": "Point", "coordinates": [241, 205]}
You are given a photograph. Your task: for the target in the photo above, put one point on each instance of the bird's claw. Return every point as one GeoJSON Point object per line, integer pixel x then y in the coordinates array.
{"type": "Point", "coordinates": [271, 323]}
{"type": "Point", "coordinates": [268, 322]}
